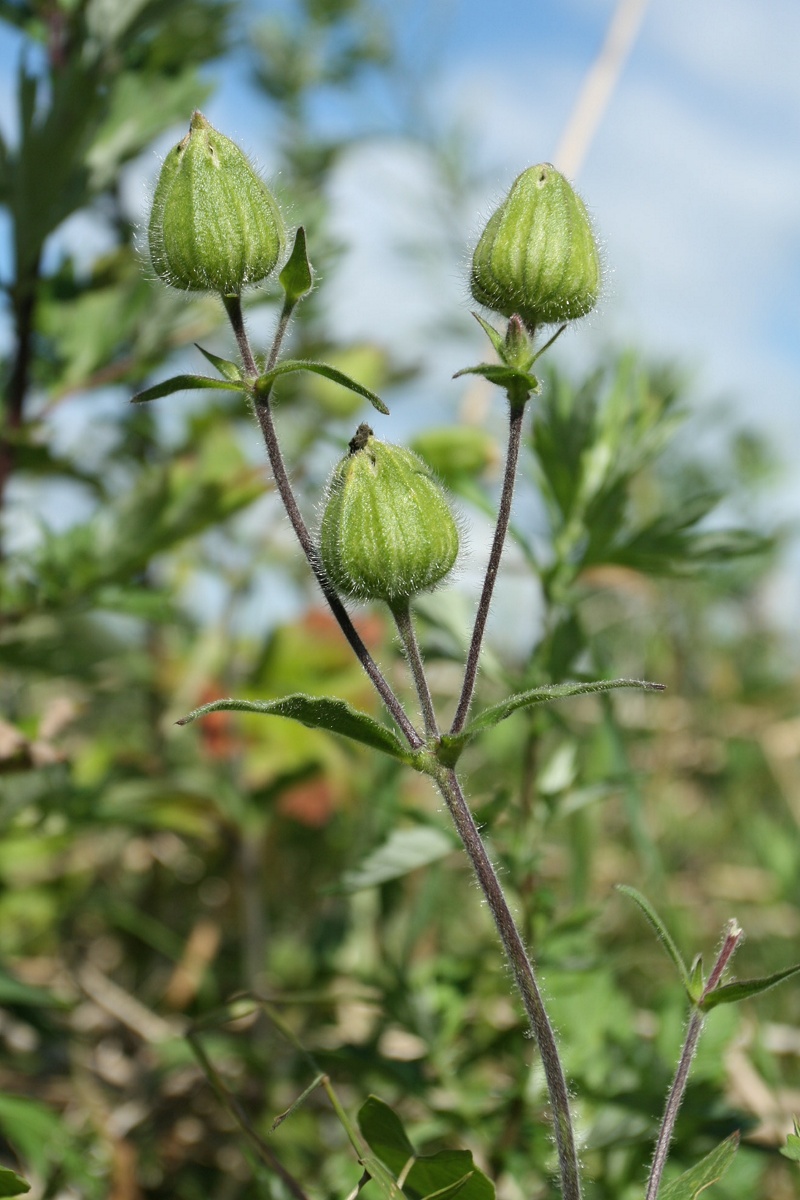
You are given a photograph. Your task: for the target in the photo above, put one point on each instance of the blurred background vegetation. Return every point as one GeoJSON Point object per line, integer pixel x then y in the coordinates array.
{"type": "Point", "coordinates": [149, 874]}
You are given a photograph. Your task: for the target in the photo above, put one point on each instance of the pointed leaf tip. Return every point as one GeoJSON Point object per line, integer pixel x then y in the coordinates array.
{"type": "Point", "coordinates": [227, 369]}
{"type": "Point", "coordinates": [662, 934]}
{"type": "Point", "coordinates": [186, 383]}
{"type": "Point", "coordinates": [709, 1170]}
{"type": "Point", "coordinates": [265, 382]}
{"type": "Point", "coordinates": [297, 277]}
{"type": "Point", "coordinates": [317, 712]}
{"type": "Point", "coordinates": [743, 989]}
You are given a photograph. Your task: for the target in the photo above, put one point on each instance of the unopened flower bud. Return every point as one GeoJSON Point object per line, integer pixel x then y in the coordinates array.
{"type": "Point", "coordinates": [387, 530]}
{"type": "Point", "coordinates": [537, 255]}
{"type": "Point", "coordinates": [215, 225]}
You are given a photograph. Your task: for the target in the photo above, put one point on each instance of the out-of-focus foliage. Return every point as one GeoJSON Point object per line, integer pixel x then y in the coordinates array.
{"type": "Point", "coordinates": [149, 874]}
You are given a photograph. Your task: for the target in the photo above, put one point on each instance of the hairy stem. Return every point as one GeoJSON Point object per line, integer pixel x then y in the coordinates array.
{"type": "Point", "coordinates": [280, 332]}
{"type": "Point", "coordinates": [674, 1100]}
{"type": "Point", "coordinates": [504, 512]}
{"type": "Point", "coordinates": [733, 936]}
{"type": "Point", "coordinates": [263, 411]}
{"type": "Point", "coordinates": [401, 611]}
{"type": "Point", "coordinates": [524, 977]}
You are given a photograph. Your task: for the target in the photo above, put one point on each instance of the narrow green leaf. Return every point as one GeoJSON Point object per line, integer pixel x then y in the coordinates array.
{"type": "Point", "coordinates": [709, 1170]}
{"type": "Point", "coordinates": [265, 382]}
{"type": "Point", "coordinates": [451, 747]}
{"type": "Point", "coordinates": [504, 376]}
{"type": "Point", "coordinates": [404, 850]}
{"type": "Point", "coordinates": [296, 1103]}
{"type": "Point", "coordinates": [12, 1184]}
{"type": "Point", "coordinates": [317, 712]}
{"type": "Point", "coordinates": [732, 993]}
{"type": "Point", "coordinates": [14, 991]}
{"type": "Point", "coordinates": [497, 339]}
{"type": "Point", "coordinates": [662, 932]}
{"type": "Point", "coordinates": [185, 383]}
{"type": "Point", "coordinates": [227, 369]}
{"type": "Point", "coordinates": [297, 278]}
{"type": "Point", "coordinates": [383, 1132]}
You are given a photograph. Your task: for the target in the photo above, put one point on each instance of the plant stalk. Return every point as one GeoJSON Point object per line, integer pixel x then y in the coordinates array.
{"type": "Point", "coordinates": [733, 937]}
{"type": "Point", "coordinates": [263, 411]}
{"type": "Point", "coordinates": [524, 977]}
{"type": "Point", "coordinates": [401, 611]}
{"type": "Point", "coordinates": [516, 412]}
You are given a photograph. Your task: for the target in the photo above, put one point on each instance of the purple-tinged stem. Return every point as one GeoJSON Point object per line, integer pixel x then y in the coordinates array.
{"type": "Point", "coordinates": [263, 411]}
{"type": "Point", "coordinates": [501, 528]}
{"type": "Point", "coordinates": [733, 937]}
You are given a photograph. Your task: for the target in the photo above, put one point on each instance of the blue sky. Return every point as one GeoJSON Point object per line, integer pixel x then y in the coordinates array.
{"type": "Point", "coordinates": [693, 177]}
{"type": "Point", "coordinates": [693, 181]}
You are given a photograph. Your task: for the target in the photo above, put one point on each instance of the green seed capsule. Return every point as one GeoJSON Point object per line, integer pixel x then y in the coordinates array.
{"type": "Point", "coordinates": [387, 530]}
{"type": "Point", "coordinates": [537, 255]}
{"type": "Point", "coordinates": [215, 225]}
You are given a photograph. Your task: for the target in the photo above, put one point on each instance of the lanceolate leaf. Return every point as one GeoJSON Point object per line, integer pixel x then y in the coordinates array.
{"type": "Point", "coordinates": [226, 368]}
{"type": "Point", "coordinates": [265, 382]}
{"type": "Point", "coordinates": [185, 383]}
{"type": "Point", "coordinates": [707, 1171]}
{"type": "Point", "coordinates": [451, 747]}
{"type": "Point", "coordinates": [495, 337]}
{"type": "Point", "coordinates": [317, 712]}
{"type": "Point", "coordinates": [743, 989]}
{"type": "Point", "coordinates": [663, 935]}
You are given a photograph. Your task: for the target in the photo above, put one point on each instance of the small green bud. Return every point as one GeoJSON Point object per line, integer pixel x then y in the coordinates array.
{"type": "Point", "coordinates": [215, 225]}
{"type": "Point", "coordinates": [537, 255]}
{"type": "Point", "coordinates": [387, 530]}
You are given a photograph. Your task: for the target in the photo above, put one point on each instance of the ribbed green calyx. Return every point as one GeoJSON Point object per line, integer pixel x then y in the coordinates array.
{"type": "Point", "coordinates": [387, 530]}
{"type": "Point", "coordinates": [215, 225]}
{"type": "Point", "coordinates": [537, 255]}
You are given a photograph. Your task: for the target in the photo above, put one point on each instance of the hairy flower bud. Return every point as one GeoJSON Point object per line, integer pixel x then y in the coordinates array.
{"type": "Point", "coordinates": [537, 255]}
{"type": "Point", "coordinates": [215, 225]}
{"type": "Point", "coordinates": [387, 530]}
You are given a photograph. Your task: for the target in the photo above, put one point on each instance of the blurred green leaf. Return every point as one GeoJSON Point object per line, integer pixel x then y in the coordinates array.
{"type": "Point", "coordinates": [383, 1132]}
{"type": "Point", "coordinates": [12, 1184]}
{"type": "Point", "coordinates": [404, 851]}
{"type": "Point", "coordinates": [14, 991]}
{"type": "Point", "coordinates": [709, 1170]}
{"type": "Point", "coordinates": [445, 1174]}
{"type": "Point", "coordinates": [792, 1148]}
